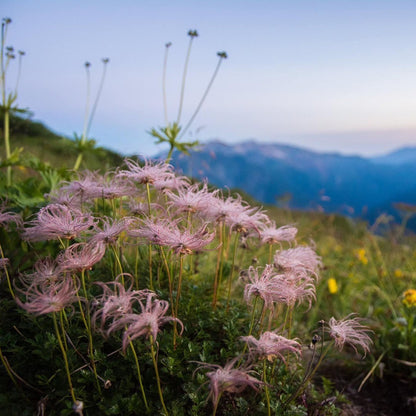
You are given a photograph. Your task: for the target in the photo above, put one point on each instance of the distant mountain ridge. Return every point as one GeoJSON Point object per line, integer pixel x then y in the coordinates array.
{"type": "Point", "coordinates": [307, 180]}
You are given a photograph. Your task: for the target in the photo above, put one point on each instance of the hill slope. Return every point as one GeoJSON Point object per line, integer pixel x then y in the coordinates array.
{"type": "Point", "coordinates": [273, 173]}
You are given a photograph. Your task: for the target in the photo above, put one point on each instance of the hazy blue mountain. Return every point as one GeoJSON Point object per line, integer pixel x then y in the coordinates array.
{"type": "Point", "coordinates": [406, 155]}
{"type": "Point", "coordinates": [303, 179]}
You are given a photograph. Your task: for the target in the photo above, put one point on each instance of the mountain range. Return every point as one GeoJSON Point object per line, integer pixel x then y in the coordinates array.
{"type": "Point", "coordinates": [307, 180]}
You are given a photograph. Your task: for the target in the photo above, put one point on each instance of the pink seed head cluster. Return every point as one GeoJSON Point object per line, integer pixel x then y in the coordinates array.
{"type": "Point", "coordinates": [350, 331]}
{"type": "Point", "coordinates": [271, 345]}
{"type": "Point", "coordinates": [41, 298]}
{"type": "Point", "coordinates": [58, 221]}
{"type": "Point", "coordinates": [229, 379]}
{"type": "Point", "coordinates": [149, 173]}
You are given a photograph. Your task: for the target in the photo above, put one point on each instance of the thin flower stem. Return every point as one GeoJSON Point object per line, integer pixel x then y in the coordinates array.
{"type": "Point", "coordinates": [117, 257]}
{"type": "Point", "coordinates": [217, 269]}
{"type": "Point", "coordinates": [165, 65]}
{"type": "Point", "coordinates": [87, 322]}
{"type": "Point", "coordinates": [157, 374]}
{"type": "Point", "coordinates": [7, 143]}
{"type": "Point", "coordinates": [65, 357]}
{"type": "Point", "coordinates": [87, 103]}
{"type": "Point", "coordinates": [308, 377]}
{"type": "Point", "coordinates": [216, 405]}
{"type": "Point", "coordinates": [9, 283]}
{"type": "Point", "coordinates": [266, 389]}
{"type": "Point", "coordinates": [198, 108]}
{"type": "Point", "coordinates": [7, 367]}
{"type": "Point", "coordinates": [136, 360]}
{"type": "Point", "coordinates": [250, 331]}
{"type": "Point", "coordinates": [230, 277]}
{"type": "Point", "coordinates": [97, 98]}
{"type": "Point", "coordinates": [184, 79]}
{"type": "Point", "coordinates": [149, 246]}
{"type": "Point", "coordinates": [178, 291]}
{"type": "Point", "coordinates": [61, 321]}
{"type": "Point", "coordinates": [270, 253]}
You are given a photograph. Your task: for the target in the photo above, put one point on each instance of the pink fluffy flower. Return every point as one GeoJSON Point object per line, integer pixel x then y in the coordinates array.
{"type": "Point", "coordinates": [191, 199]}
{"type": "Point", "coordinates": [153, 230]}
{"type": "Point", "coordinates": [150, 172]}
{"type": "Point", "coordinates": [350, 331]}
{"type": "Point", "coordinates": [235, 213]}
{"type": "Point", "coordinates": [291, 288]}
{"type": "Point", "coordinates": [270, 345]}
{"type": "Point", "coordinates": [4, 262]}
{"type": "Point", "coordinates": [271, 235]}
{"type": "Point", "coordinates": [229, 379]}
{"type": "Point", "coordinates": [47, 298]}
{"type": "Point", "coordinates": [261, 285]}
{"type": "Point", "coordinates": [58, 221]}
{"type": "Point", "coordinates": [81, 256]}
{"type": "Point", "coordinates": [6, 217]}
{"type": "Point", "coordinates": [299, 259]}
{"type": "Point", "coordinates": [110, 230]}
{"type": "Point", "coordinates": [46, 271]}
{"type": "Point", "coordinates": [116, 301]}
{"type": "Point", "coordinates": [146, 323]}
{"type": "Point", "coordinates": [183, 242]}
{"type": "Point", "coordinates": [171, 183]}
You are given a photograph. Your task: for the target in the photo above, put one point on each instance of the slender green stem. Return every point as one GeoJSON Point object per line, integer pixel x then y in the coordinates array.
{"type": "Point", "coordinates": [117, 257]}
{"type": "Point", "coordinates": [178, 291]}
{"type": "Point", "coordinates": [309, 376]}
{"type": "Point", "coordinates": [266, 388]}
{"type": "Point", "coordinates": [7, 367]}
{"type": "Point", "coordinates": [216, 404]}
{"type": "Point", "coordinates": [136, 360]}
{"type": "Point", "coordinates": [270, 253]}
{"type": "Point", "coordinates": [65, 357]}
{"type": "Point", "coordinates": [159, 388]}
{"type": "Point", "coordinates": [9, 283]}
{"type": "Point", "coordinates": [87, 322]}
{"type": "Point", "coordinates": [230, 277]}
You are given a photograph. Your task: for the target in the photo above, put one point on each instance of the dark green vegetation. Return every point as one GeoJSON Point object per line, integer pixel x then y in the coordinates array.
{"type": "Point", "coordinates": [363, 272]}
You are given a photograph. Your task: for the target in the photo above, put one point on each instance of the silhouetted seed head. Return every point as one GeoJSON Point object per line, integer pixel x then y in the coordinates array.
{"type": "Point", "coordinates": [9, 48]}
{"type": "Point", "coordinates": [22, 53]}
{"type": "Point", "coordinates": [222, 54]}
{"type": "Point", "coordinates": [193, 33]}
{"type": "Point", "coordinates": [10, 55]}
{"type": "Point", "coordinates": [87, 64]}
{"type": "Point", "coordinates": [106, 60]}
{"type": "Point", "coordinates": [7, 20]}
{"type": "Point", "coordinates": [315, 339]}
{"type": "Point", "coordinates": [168, 45]}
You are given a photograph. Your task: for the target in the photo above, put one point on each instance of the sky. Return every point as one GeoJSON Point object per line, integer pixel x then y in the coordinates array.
{"type": "Point", "coordinates": [326, 75]}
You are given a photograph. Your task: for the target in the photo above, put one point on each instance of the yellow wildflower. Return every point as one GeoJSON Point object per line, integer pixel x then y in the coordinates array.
{"type": "Point", "coordinates": [409, 298]}
{"type": "Point", "coordinates": [398, 273]}
{"type": "Point", "coordinates": [332, 285]}
{"type": "Point", "coordinates": [361, 254]}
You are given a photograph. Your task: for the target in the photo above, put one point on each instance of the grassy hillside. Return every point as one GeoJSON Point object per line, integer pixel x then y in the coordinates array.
{"type": "Point", "coordinates": [58, 151]}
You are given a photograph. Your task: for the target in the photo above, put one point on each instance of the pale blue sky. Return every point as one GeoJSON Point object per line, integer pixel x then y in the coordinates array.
{"type": "Point", "coordinates": [329, 75]}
